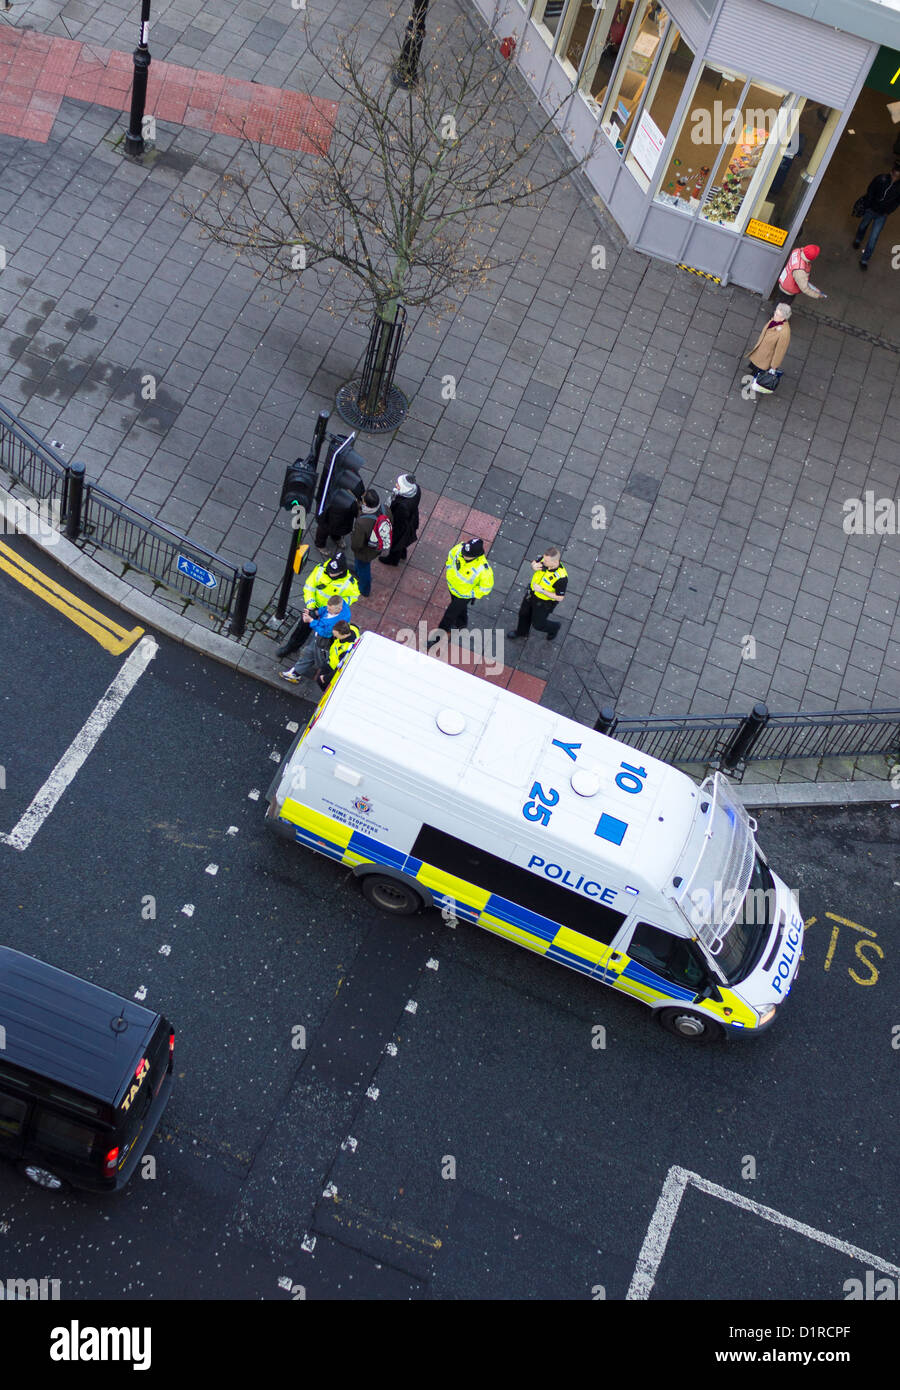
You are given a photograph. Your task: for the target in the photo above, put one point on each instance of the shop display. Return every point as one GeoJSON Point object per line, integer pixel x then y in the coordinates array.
{"type": "Point", "coordinates": [724, 201]}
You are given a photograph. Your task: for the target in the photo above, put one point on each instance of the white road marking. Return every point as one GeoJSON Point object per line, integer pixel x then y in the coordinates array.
{"type": "Point", "coordinates": [130, 672]}
{"type": "Point", "coordinates": [663, 1220]}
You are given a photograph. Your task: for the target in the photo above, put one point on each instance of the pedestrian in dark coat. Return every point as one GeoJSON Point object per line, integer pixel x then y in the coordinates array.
{"type": "Point", "coordinates": [882, 197]}
{"type": "Point", "coordinates": [404, 509]}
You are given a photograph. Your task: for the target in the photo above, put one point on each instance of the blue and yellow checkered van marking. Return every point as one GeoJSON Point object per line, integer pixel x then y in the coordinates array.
{"type": "Point", "coordinates": [503, 917]}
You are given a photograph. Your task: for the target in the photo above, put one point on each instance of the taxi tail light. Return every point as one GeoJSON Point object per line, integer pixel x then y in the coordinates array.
{"type": "Point", "coordinates": [111, 1161]}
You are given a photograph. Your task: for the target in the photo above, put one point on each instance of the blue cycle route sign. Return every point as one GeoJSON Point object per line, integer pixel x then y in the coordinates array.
{"type": "Point", "coordinates": [196, 572]}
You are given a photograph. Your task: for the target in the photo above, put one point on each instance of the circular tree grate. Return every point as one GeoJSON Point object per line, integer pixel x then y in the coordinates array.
{"type": "Point", "coordinates": [347, 405]}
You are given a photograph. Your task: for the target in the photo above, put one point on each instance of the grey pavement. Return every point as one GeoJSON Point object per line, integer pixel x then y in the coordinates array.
{"type": "Point", "coordinates": [602, 410]}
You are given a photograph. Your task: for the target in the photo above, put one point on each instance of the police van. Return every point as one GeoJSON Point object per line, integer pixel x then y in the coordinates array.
{"type": "Point", "coordinates": [84, 1076]}
{"type": "Point", "coordinates": [438, 789]}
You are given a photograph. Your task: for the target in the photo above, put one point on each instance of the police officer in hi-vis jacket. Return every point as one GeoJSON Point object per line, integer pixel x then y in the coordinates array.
{"type": "Point", "coordinates": [548, 585]}
{"type": "Point", "coordinates": [332, 577]}
{"type": "Point", "coordinates": [469, 577]}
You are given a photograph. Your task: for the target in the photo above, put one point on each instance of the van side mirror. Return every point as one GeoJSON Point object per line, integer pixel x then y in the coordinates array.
{"type": "Point", "coordinates": [711, 991]}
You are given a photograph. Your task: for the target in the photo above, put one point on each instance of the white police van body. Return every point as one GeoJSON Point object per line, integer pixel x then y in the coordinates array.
{"type": "Point", "coordinates": [440, 789]}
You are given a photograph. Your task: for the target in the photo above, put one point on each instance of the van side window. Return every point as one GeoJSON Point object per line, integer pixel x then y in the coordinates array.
{"type": "Point", "coordinates": [12, 1116]}
{"type": "Point", "coordinates": [495, 875]}
{"type": "Point", "coordinates": [668, 955]}
{"type": "Point", "coordinates": [66, 1136]}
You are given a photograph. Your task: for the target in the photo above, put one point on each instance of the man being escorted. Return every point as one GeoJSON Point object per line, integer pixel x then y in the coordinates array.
{"type": "Point", "coordinates": [315, 654]}
{"type": "Point", "coordinates": [469, 577]}
{"type": "Point", "coordinates": [548, 585]}
{"type": "Point", "coordinates": [332, 578]}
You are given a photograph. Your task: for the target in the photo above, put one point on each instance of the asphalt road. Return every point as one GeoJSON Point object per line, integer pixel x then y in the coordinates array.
{"type": "Point", "coordinates": [445, 1125]}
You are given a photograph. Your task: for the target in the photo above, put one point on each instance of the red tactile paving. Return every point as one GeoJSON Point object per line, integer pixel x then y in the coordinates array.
{"type": "Point", "coordinates": [416, 592]}
{"type": "Point", "coordinates": [37, 71]}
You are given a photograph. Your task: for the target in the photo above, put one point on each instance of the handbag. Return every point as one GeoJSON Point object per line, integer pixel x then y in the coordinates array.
{"type": "Point", "coordinates": [768, 381]}
{"type": "Point", "coordinates": [860, 206]}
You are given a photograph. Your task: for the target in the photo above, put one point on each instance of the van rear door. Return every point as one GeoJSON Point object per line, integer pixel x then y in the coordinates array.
{"type": "Point", "coordinates": [138, 1105]}
{"type": "Point", "coordinates": [15, 1116]}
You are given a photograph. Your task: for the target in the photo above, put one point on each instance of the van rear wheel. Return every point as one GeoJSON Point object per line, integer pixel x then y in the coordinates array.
{"type": "Point", "coordinates": [690, 1026]}
{"type": "Point", "coordinates": [42, 1177]}
{"type": "Point", "coordinates": [391, 895]}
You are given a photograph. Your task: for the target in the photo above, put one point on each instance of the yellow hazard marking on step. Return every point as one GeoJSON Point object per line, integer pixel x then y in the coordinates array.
{"type": "Point", "coordinates": [111, 635]}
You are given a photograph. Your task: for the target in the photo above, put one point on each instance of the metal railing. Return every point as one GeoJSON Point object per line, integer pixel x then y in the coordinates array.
{"type": "Point", "coordinates": [36, 465]}
{"type": "Point", "coordinates": [148, 545]}
{"type": "Point", "coordinates": [731, 741]}
{"type": "Point", "coordinates": [153, 548]}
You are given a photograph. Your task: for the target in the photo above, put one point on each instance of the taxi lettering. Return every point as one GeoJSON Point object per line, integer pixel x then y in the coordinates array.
{"type": "Point", "coordinates": [140, 1073]}
{"type": "Point", "coordinates": [566, 877]}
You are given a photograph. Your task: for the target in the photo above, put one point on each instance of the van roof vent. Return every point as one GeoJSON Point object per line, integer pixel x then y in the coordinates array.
{"type": "Point", "coordinates": [450, 721]}
{"type": "Point", "coordinates": [585, 783]}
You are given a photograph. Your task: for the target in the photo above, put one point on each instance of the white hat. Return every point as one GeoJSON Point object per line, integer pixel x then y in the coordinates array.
{"type": "Point", "coordinates": [406, 485]}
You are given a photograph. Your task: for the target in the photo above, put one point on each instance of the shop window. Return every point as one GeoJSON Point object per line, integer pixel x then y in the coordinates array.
{"type": "Point", "coordinates": [804, 139]}
{"type": "Point", "coordinates": [546, 15]}
{"type": "Point", "coordinates": [704, 128]}
{"type": "Point", "coordinates": [574, 34]}
{"type": "Point", "coordinates": [744, 158]}
{"type": "Point", "coordinates": [638, 53]}
{"type": "Point", "coordinates": [648, 128]}
{"type": "Point", "coordinates": [603, 51]}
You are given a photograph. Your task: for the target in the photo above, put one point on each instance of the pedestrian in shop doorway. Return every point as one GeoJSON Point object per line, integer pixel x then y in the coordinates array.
{"type": "Point", "coordinates": [548, 585]}
{"type": "Point", "coordinates": [882, 197]}
{"type": "Point", "coordinates": [404, 510]}
{"type": "Point", "coordinates": [767, 353]}
{"type": "Point", "coordinates": [794, 279]}
{"type": "Point", "coordinates": [469, 578]}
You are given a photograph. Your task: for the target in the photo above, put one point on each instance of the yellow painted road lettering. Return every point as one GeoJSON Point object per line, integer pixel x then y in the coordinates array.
{"type": "Point", "coordinates": [862, 946]}
{"type": "Point", "coordinates": [112, 637]}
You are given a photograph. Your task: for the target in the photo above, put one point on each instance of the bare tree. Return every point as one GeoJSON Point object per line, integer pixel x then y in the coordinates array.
{"type": "Point", "coordinates": [395, 194]}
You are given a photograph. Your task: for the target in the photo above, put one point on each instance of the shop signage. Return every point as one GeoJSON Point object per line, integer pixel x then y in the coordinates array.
{"type": "Point", "coordinates": [647, 144]}
{"type": "Point", "coordinates": [885, 73]}
{"type": "Point", "coordinates": [776, 235]}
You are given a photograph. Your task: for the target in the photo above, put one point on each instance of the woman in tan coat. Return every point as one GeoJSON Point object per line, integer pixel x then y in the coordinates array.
{"type": "Point", "coordinates": [767, 353]}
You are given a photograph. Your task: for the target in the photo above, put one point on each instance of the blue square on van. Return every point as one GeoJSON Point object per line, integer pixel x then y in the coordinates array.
{"type": "Point", "coordinates": [608, 828]}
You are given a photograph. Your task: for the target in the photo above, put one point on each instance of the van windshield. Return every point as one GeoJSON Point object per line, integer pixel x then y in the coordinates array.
{"type": "Point", "coordinates": [746, 937]}
{"type": "Point", "coordinates": [718, 864]}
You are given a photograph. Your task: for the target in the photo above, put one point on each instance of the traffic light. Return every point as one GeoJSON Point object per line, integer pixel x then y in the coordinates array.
{"type": "Point", "coordinates": [343, 468]}
{"type": "Point", "coordinates": [299, 486]}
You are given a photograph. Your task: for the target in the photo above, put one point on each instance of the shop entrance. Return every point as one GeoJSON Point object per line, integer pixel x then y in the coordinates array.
{"type": "Point", "coordinates": [870, 144]}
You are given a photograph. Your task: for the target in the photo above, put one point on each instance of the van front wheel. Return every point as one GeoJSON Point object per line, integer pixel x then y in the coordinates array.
{"type": "Point", "coordinates": [690, 1026]}
{"type": "Point", "coordinates": [391, 895]}
{"type": "Point", "coordinates": [42, 1177]}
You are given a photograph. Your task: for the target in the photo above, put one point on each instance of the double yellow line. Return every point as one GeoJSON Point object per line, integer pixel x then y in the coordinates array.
{"type": "Point", "coordinates": [111, 636]}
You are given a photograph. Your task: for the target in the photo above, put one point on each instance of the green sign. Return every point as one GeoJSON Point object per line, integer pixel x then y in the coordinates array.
{"type": "Point", "coordinates": [885, 74]}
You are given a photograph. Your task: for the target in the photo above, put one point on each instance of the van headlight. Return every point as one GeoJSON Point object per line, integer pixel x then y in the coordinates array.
{"type": "Point", "coordinates": [766, 1015]}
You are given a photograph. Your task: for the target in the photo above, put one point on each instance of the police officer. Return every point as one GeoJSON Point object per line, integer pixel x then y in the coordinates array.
{"type": "Point", "coordinates": [331, 577]}
{"type": "Point", "coordinates": [548, 585]}
{"type": "Point", "coordinates": [343, 639]}
{"type": "Point", "coordinates": [469, 577]}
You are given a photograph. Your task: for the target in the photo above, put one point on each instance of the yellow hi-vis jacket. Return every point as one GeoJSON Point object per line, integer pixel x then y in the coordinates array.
{"type": "Point", "coordinates": [319, 588]}
{"type": "Point", "coordinates": [341, 647]}
{"type": "Point", "coordinates": [542, 582]}
{"type": "Point", "coordinates": [468, 578]}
